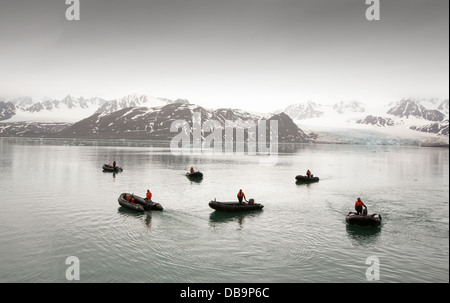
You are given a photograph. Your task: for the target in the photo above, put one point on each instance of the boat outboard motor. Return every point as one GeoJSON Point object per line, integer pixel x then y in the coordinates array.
{"type": "Point", "coordinates": [251, 201]}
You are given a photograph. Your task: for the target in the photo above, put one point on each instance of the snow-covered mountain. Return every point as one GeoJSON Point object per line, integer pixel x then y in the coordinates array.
{"type": "Point", "coordinates": [22, 101]}
{"type": "Point", "coordinates": [312, 110]}
{"type": "Point", "coordinates": [154, 123]}
{"type": "Point", "coordinates": [443, 107]}
{"type": "Point", "coordinates": [289, 132]}
{"type": "Point", "coordinates": [229, 114]}
{"type": "Point", "coordinates": [140, 116]}
{"type": "Point", "coordinates": [404, 119]}
{"type": "Point", "coordinates": [304, 111]}
{"type": "Point", "coordinates": [411, 108]}
{"type": "Point", "coordinates": [7, 110]}
{"type": "Point", "coordinates": [343, 107]}
{"type": "Point", "coordinates": [377, 121]}
{"type": "Point", "coordinates": [72, 109]}
{"type": "Point", "coordinates": [68, 109]}
{"type": "Point", "coordinates": [441, 128]}
{"type": "Point", "coordinates": [135, 100]}
{"type": "Point", "coordinates": [31, 129]}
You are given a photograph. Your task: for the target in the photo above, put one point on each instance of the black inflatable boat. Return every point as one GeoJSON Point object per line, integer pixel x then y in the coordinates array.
{"type": "Point", "coordinates": [195, 175]}
{"type": "Point", "coordinates": [306, 179]}
{"type": "Point", "coordinates": [140, 204]}
{"type": "Point", "coordinates": [363, 220]}
{"type": "Point", "coordinates": [110, 168]}
{"type": "Point", "coordinates": [235, 206]}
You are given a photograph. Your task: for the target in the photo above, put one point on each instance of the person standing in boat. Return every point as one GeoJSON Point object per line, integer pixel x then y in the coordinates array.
{"type": "Point", "coordinates": [241, 196]}
{"type": "Point", "coordinates": [114, 164]}
{"type": "Point", "coordinates": [192, 170]}
{"type": "Point", "coordinates": [149, 195]}
{"type": "Point", "coordinates": [308, 173]}
{"type": "Point", "coordinates": [359, 206]}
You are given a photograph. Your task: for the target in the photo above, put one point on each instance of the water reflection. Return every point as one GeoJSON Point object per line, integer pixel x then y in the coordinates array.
{"type": "Point", "coordinates": [305, 184]}
{"type": "Point", "coordinates": [134, 214]}
{"type": "Point", "coordinates": [148, 220]}
{"type": "Point", "coordinates": [88, 142]}
{"type": "Point", "coordinates": [195, 179]}
{"type": "Point", "coordinates": [291, 227]}
{"type": "Point", "coordinates": [218, 217]}
{"type": "Point", "coordinates": [363, 235]}
{"type": "Point", "coordinates": [129, 212]}
{"type": "Point", "coordinates": [112, 173]}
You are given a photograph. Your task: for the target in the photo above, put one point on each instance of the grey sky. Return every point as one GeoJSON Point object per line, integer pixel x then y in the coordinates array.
{"type": "Point", "coordinates": [250, 54]}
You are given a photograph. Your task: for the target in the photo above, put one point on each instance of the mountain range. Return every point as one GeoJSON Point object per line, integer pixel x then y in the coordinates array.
{"type": "Point", "coordinates": [143, 123]}
{"type": "Point", "coordinates": [143, 117]}
{"type": "Point", "coordinates": [403, 118]}
{"type": "Point", "coordinates": [71, 109]}
{"type": "Point", "coordinates": [137, 122]}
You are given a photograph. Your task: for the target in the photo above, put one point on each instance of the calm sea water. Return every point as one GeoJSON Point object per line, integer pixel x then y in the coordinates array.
{"type": "Point", "coordinates": [56, 202]}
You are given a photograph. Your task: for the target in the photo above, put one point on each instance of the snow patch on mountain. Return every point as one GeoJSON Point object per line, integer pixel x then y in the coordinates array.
{"type": "Point", "coordinates": [377, 121]}
{"type": "Point", "coordinates": [134, 100]}
{"type": "Point", "coordinates": [69, 109]}
{"type": "Point", "coordinates": [349, 106]}
{"type": "Point", "coordinates": [303, 111]}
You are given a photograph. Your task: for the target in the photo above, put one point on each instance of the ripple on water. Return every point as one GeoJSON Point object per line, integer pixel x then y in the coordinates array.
{"type": "Point", "coordinates": [300, 236]}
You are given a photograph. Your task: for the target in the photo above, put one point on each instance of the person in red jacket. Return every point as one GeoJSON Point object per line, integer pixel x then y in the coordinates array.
{"type": "Point", "coordinates": [359, 206]}
{"type": "Point", "coordinates": [241, 196]}
{"type": "Point", "coordinates": [149, 195]}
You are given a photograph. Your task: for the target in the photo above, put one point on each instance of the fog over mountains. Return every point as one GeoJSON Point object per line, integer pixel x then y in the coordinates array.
{"type": "Point", "coordinates": [414, 121]}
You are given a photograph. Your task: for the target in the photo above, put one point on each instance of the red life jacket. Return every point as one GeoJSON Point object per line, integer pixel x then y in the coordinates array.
{"type": "Point", "coordinates": [359, 203]}
{"type": "Point", "coordinates": [241, 194]}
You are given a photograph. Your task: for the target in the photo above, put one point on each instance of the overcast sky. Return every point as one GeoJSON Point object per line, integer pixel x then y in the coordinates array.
{"type": "Point", "coordinates": [257, 55]}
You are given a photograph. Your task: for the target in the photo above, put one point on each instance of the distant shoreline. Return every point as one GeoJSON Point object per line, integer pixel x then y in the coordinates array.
{"type": "Point", "coordinates": [166, 143]}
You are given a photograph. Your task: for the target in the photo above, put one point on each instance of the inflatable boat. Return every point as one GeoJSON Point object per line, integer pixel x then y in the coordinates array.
{"type": "Point", "coordinates": [306, 179]}
{"type": "Point", "coordinates": [110, 168]}
{"type": "Point", "coordinates": [140, 204]}
{"type": "Point", "coordinates": [235, 206]}
{"type": "Point", "coordinates": [195, 174]}
{"type": "Point", "coordinates": [363, 220]}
